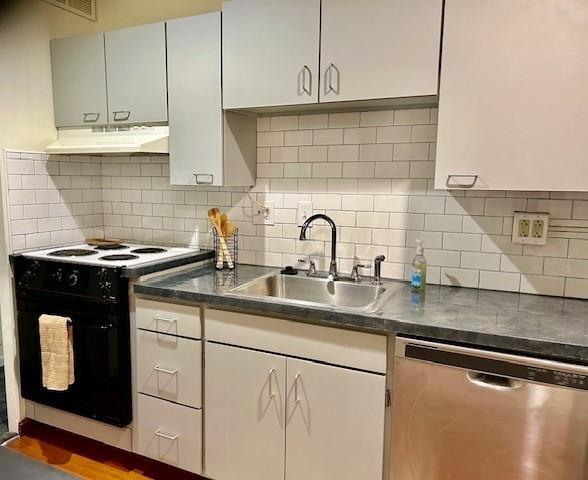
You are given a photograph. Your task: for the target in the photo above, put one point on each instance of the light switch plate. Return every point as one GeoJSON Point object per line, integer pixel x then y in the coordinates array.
{"type": "Point", "coordinates": [303, 212]}
{"type": "Point", "coordinates": [264, 216]}
{"type": "Point", "coordinates": [530, 228]}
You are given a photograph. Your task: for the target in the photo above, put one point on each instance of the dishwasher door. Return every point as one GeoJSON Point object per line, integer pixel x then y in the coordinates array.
{"type": "Point", "coordinates": [468, 414]}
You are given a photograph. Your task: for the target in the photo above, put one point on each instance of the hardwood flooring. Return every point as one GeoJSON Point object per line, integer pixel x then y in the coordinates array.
{"type": "Point", "coordinates": [87, 459]}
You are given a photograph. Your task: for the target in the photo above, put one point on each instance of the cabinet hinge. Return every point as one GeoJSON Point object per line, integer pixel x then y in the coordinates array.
{"type": "Point", "coordinates": [388, 400]}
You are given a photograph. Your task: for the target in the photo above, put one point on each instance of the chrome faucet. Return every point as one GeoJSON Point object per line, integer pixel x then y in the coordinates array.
{"type": "Point", "coordinates": [329, 220]}
{"type": "Point", "coordinates": [377, 280]}
{"type": "Point", "coordinates": [355, 276]}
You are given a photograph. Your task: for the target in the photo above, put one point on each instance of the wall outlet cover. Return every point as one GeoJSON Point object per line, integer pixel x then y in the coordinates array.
{"type": "Point", "coordinates": [263, 216]}
{"type": "Point", "coordinates": [530, 228]}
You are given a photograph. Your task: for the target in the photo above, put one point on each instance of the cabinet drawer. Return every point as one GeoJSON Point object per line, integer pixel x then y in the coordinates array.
{"type": "Point", "coordinates": [169, 433]}
{"type": "Point", "coordinates": [171, 318]}
{"type": "Point", "coordinates": [169, 367]}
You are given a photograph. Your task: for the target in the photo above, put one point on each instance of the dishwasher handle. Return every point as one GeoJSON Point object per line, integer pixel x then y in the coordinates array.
{"type": "Point", "coordinates": [494, 382]}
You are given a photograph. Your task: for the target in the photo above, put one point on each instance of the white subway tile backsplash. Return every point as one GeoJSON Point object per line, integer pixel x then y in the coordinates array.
{"type": "Point", "coordinates": [372, 172]}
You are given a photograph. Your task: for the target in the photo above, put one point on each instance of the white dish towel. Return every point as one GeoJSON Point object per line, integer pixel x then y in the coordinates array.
{"type": "Point", "coordinates": [57, 360]}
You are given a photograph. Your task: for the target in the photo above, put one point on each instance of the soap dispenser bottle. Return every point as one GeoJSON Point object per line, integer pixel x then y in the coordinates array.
{"type": "Point", "coordinates": [418, 278]}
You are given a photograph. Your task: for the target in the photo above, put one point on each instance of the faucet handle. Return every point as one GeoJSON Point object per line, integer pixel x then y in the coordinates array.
{"type": "Point", "coordinates": [355, 276]}
{"type": "Point", "coordinates": [311, 265]}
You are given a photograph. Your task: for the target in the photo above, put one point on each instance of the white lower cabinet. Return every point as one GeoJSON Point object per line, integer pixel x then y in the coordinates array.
{"type": "Point", "coordinates": [245, 405]}
{"type": "Point", "coordinates": [334, 423]}
{"type": "Point", "coordinates": [170, 433]}
{"type": "Point", "coordinates": [271, 417]}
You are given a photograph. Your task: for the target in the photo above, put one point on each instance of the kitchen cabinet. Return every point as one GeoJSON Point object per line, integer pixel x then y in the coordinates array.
{"type": "Point", "coordinates": [206, 146]}
{"type": "Point", "coordinates": [292, 52]}
{"type": "Point", "coordinates": [79, 81]}
{"type": "Point", "coordinates": [136, 74]}
{"type": "Point", "coordinates": [245, 399]}
{"type": "Point", "coordinates": [270, 52]}
{"type": "Point", "coordinates": [379, 49]}
{"type": "Point", "coordinates": [513, 96]}
{"type": "Point", "coordinates": [274, 415]}
{"type": "Point", "coordinates": [335, 422]}
{"type": "Point", "coordinates": [167, 383]}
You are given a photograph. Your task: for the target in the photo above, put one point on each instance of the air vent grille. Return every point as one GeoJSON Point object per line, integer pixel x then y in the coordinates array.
{"type": "Point", "coordinates": [84, 8]}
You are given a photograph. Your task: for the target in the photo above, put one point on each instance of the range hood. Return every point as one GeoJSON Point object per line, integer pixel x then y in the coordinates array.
{"type": "Point", "coordinates": [139, 139]}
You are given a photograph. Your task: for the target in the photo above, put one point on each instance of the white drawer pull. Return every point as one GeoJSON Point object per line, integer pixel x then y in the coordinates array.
{"type": "Point", "coordinates": [157, 368]}
{"type": "Point", "coordinates": [164, 319]}
{"type": "Point", "coordinates": [167, 436]}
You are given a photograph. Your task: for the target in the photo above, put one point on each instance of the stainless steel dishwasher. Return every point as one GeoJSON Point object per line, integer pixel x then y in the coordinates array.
{"type": "Point", "coordinates": [468, 414]}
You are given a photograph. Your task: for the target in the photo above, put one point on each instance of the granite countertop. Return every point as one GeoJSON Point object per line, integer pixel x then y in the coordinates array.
{"type": "Point", "coordinates": [548, 327]}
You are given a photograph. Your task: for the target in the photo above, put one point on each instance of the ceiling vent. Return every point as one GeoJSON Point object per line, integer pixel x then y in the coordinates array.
{"type": "Point", "coordinates": [84, 8]}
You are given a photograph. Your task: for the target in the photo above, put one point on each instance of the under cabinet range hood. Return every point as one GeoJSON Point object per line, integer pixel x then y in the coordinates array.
{"type": "Point", "coordinates": [139, 139]}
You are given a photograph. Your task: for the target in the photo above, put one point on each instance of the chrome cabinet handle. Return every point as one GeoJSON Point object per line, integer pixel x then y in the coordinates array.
{"type": "Point", "coordinates": [121, 115]}
{"type": "Point", "coordinates": [329, 79]}
{"type": "Point", "coordinates": [91, 117]}
{"type": "Point", "coordinates": [305, 89]}
{"type": "Point", "coordinates": [296, 397]}
{"type": "Point", "coordinates": [270, 375]}
{"type": "Point", "coordinates": [204, 178]}
{"type": "Point", "coordinates": [157, 368]}
{"type": "Point", "coordinates": [159, 318]}
{"type": "Point", "coordinates": [457, 184]}
{"type": "Point", "coordinates": [167, 436]}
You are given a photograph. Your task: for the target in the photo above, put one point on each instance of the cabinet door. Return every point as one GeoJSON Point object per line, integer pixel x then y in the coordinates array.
{"type": "Point", "coordinates": [136, 74]}
{"type": "Point", "coordinates": [512, 105]}
{"type": "Point", "coordinates": [379, 49]}
{"type": "Point", "coordinates": [270, 52]}
{"type": "Point", "coordinates": [79, 81]}
{"type": "Point", "coordinates": [244, 404]}
{"type": "Point", "coordinates": [195, 113]}
{"type": "Point", "coordinates": [334, 423]}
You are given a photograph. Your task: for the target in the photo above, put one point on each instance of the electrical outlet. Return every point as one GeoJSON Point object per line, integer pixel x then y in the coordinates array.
{"type": "Point", "coordinates": [303, 212]}
{"type": "Point", "coordinates": [530, 228]}
{"type": "Point", "coordinates": [263, 216]}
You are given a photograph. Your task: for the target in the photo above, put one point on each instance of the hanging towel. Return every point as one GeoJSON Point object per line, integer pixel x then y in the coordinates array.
{"type": "Point", "coordinates": [57, 360]}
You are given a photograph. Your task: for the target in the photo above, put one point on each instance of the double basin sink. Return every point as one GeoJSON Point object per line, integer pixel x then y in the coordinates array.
{"type": "Point", "coordinates": [321, 292]}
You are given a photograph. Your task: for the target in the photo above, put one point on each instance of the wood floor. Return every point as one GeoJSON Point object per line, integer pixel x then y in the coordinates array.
{"type": "Point", "coordinates": [87, 459]}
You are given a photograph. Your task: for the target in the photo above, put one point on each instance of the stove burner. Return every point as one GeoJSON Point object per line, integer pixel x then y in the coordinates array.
{"type": "Point", "coordinates": [72, 252]}
{"type": "Point", "coordinates": [123, 256]}
{"type": "Point", "coordinates": [116, 246]}
{"type": "Point", "coordinates": [149, 250]}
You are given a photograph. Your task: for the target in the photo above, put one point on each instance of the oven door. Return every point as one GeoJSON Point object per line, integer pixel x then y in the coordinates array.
{"type": "Point", "coordinates": [101, 345]}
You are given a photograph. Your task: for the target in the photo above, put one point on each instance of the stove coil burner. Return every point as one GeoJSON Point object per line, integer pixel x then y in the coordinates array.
{"type": "Point", "coordinates": [72, 252]}
{"type": "Point", "coordinates": [123, 256]}
{"type": "Point", "coordinates": [116, 246]}
{"type": "Point", "coordinates": [149, 250]}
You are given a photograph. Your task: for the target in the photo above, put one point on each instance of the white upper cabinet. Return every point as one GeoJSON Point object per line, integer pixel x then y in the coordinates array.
{"type": "Point", "coordinates": [136, 74]}
{"type": "Point", "coordinates": [205, 146]}
{"type": "Point", "coordinates": [379, 49]}
{"type": "Point", "coordinates": [79, 81]}
{"type": "Point", "coordinates": [270, 52]}
{"type": "Point", "coordinates": [514, 99]}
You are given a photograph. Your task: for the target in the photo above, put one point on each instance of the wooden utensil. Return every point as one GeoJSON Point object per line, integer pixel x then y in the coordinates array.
{"type": "Point", "coordinates": [215, 219]}
{"type": "Point", "coordinates": [101, 242]}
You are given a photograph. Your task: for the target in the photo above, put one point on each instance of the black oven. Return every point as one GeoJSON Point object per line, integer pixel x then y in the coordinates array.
{"type": "Point", "coordinates": [96, 301]}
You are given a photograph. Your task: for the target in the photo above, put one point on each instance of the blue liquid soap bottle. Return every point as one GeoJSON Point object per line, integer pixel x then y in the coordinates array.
{"type": "Point", "coordinates": [418, 278]}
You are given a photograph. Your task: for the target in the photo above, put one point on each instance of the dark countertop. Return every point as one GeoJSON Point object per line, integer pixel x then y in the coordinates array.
{"type": "Point", "coordinates": [156, 266]}
{"type": "Point", "coordinates": [549, 327]}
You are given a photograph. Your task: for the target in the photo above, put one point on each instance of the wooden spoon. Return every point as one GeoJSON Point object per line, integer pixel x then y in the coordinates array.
{"type": "Point", "coordinates": [215, 219]}
{"type": "Point", "coordinates": [230, 229]}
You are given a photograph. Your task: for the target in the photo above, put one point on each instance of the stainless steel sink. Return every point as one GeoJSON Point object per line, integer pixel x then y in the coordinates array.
{"type": "Point", "coordinates": [345, 295]}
